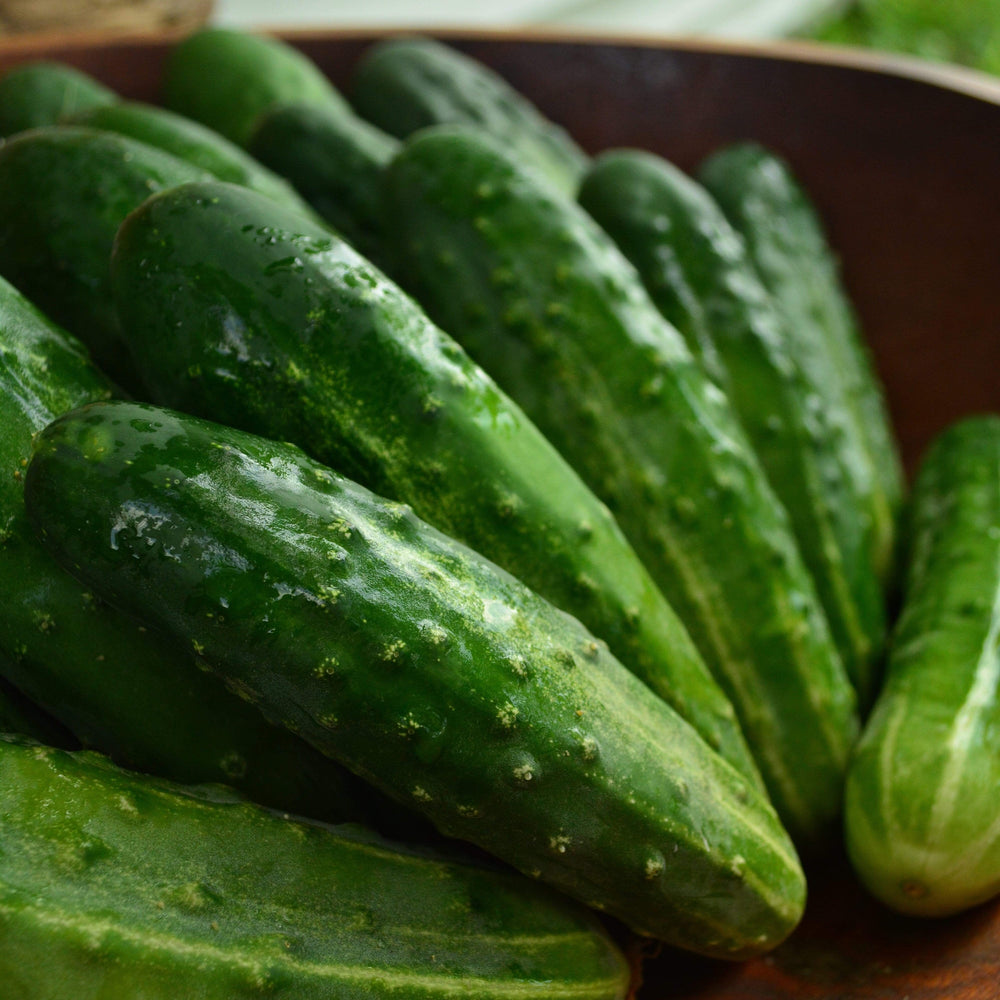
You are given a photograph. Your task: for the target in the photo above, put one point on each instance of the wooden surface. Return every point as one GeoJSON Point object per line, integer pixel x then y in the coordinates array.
{"type": "Point", "coordinates": [905, 166]}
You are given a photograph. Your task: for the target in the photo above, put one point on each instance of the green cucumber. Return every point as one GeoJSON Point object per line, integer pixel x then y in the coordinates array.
{"type": "Point", "coordinates": [406, 84]}
{"type": "Point", "coordinates": [537, 293]}
{"type": "Point", "coordinates": [249, 315]}
{"type": "Point", "coordinates": [112, 885]}
{"type": "Point", "coordinates": [420, 665]}
{"type": "Point", "coordinates": [786, 243]}
{"type": "Point", "coordinates": [43, 93]}
{"type": "Point", "coordinates": [922, 816]}
{"type": "Point", "coordinates": [63, 193]}
{"type": "Point", "coordinates": [19, 715]}
{"type": "Point", "coordinates": [117, 687]}
{"type": "Point", "coordinates": [697, 271]}
{"type": "Point", "coordinates": [192, 142]}
{"type": "Point", "coordinates": [227, 79]}
{"type": "Point", "coordinates": [335, 161]}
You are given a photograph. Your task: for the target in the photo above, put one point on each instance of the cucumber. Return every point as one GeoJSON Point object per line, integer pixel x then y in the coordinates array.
{"type": "Point", "coordinates": [192, 142]}
{"type": "Point", "coordinates": [63, 193]}
{"type": "Point", "coordinates": [117, 687]}
{"type": "Point", "coordinates": [527, 282]}
{"type": "Point", "coordinates": [21, 716]}
{"type": "Point", "coordinates": [697, 271]}
{"type": "Point", "coordinates": [249, 315]}
{"type": "Point", "coordinates": [406, 84]}
{"type": "Point", "coordinates": [227, 79]}
{"type": "Point", "coordinates": [43, 93]}
{"type": "Point", "coordinates": [421, 666]}
{"type": "Point", "coordinates": [922, 816]}
{"type": "Point", "coordinates": [112, 885]}
{"type": "Point", "coordinates": [786, 243]}
{"type": "Point", "coordinates": [335, 161]}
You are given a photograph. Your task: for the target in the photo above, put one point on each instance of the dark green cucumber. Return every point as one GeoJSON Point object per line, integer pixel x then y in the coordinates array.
{"type": "Point", "coordinates": [696, 269]}
{"type": "Point", "coordinates": [118, 687]}
{"type": "Point", "coordinates": [786, 243]}
{"type": "Point", "coordinates": [420, 665]}
{"type": "Point", "coordinates": [63, 193]}
{"type": "Point", "coordinates": [405, 84]}
{"type": "Point", "coordinates": [251, 316]}
{"type": "Point", "coordinates": [335, 161]}
{"type": "Point", "coordinates": [537, 293]}
{"type": "Point", "coordinates": [922, 812]}
{"type": "Point", "coordinates": [192, 142]}
{"type": "Point", "coordinates": [227, 79]}
{"type": "Point", "coordinates": [44, 93]}
{"type": "Point", "coordinates": [112, 885]}
{"type": "Point", "coordinates": [23, 717]}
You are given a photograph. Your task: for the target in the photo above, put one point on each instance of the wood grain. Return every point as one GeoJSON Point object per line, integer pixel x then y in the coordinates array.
{"type": "Point", "coordinates": [904, 163]}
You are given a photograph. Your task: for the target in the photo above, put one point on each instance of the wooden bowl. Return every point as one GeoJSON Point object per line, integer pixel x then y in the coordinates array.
{"type": "Point", "coordinates": [903, 160]}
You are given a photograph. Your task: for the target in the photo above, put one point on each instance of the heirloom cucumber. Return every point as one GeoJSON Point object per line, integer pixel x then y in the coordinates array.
{"type": "Point", "coordinates": [527, 282]}
{"type": "Point", "coordinates": [335, 161]}
{"type": "Point", "coordinates": [114, 885]}
{"type": "Point", "coordinates": [422, 666]}
{"type": "Point", "coordinates": [227, 79]}
{"type": "Point", "coordinates": [922, 813]}
{"type": "Point", "coordinates": [43, 93]}
{"type": "Point", "coordinates": [64, 190]}
{"type": "Point", "coordinates": [247, 314]}
{"type": "Point", "coordinates": [786, 242]}
{"type": "Point", "coordinates": [696, 269]}
{"type": "Point", "coordinates": [406, 84]}
{"type": "Point", "coordinates": [192, 142]}
{"type": "Point", "coordinates": [116, 686]}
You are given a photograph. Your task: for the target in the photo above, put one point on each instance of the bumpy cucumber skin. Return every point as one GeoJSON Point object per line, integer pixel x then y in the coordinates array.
{"type": "Point", "coordinates": [697, 271]}
{"type": "Point", "coordinates": [117, 886]}
{"type": "Point", "coordinates": [335, 161]}
{"type": "Point", "coordinates": [63, 193]}
{"type": "Point", "coordinates": [922, 818]}
{"type": "Point", "coordinates": [227, 79]}
{"type": "Point", "coordinates": [251, 317]}
{"type": "Point", "coordinates": [528, 283]}
{"type": "Point", "coordinates": [19, 715]}
{"type": "Point", "coordinates": [405, 84]}
{"type": "Point", "coordinates": [44, 93]}
{"type": "Point", "coordinates": [423, 667]}
{"type": "Point", "coordinates": [119, 688]}
{"type": "Point", "coordinates": [785, 240]}
{"type": "Point", "coordinates": [192, 142]}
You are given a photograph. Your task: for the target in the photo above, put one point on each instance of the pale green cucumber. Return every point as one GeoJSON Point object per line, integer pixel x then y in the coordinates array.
{"type": "Point", "coordinates": [922, 811]}
{"type": "Point", "coordinates": [421, 666]}
{"type": "Point", "coordinates": [44, 93]}
{"type": "Point", "coordinates": [116, 887]}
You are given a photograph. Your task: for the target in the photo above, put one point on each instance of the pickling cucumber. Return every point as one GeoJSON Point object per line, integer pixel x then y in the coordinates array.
{"type": "Point", "coordinates": [785, 240]}
{"type": "Point", "coordinates": [63, 193]}
{"type": "Point", "coordinates": [43, 93]}
{"type": "Point", "coordinates": [112, 885]}
{"type": "Point", "coordinates": [335, 161]}
{"type": "Point", "coordinates": [697, 271]}
{"type": "Point", "coordinates": [423, 667]}
{"type": "Point", "coordinates": [537, 293]}
{"type": "Point", "coordinates": [406, 84]}
{"type": "Point", "coordinates": [120, 688]}
{"type": "Point", "coordinates": [249, 315]}
{"type": "Point", "coordinates": [192, 142]}
{"type": "Point", "coordinates": [922, 814]}
{"type": "Point", "coordinates": [227, 79]}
